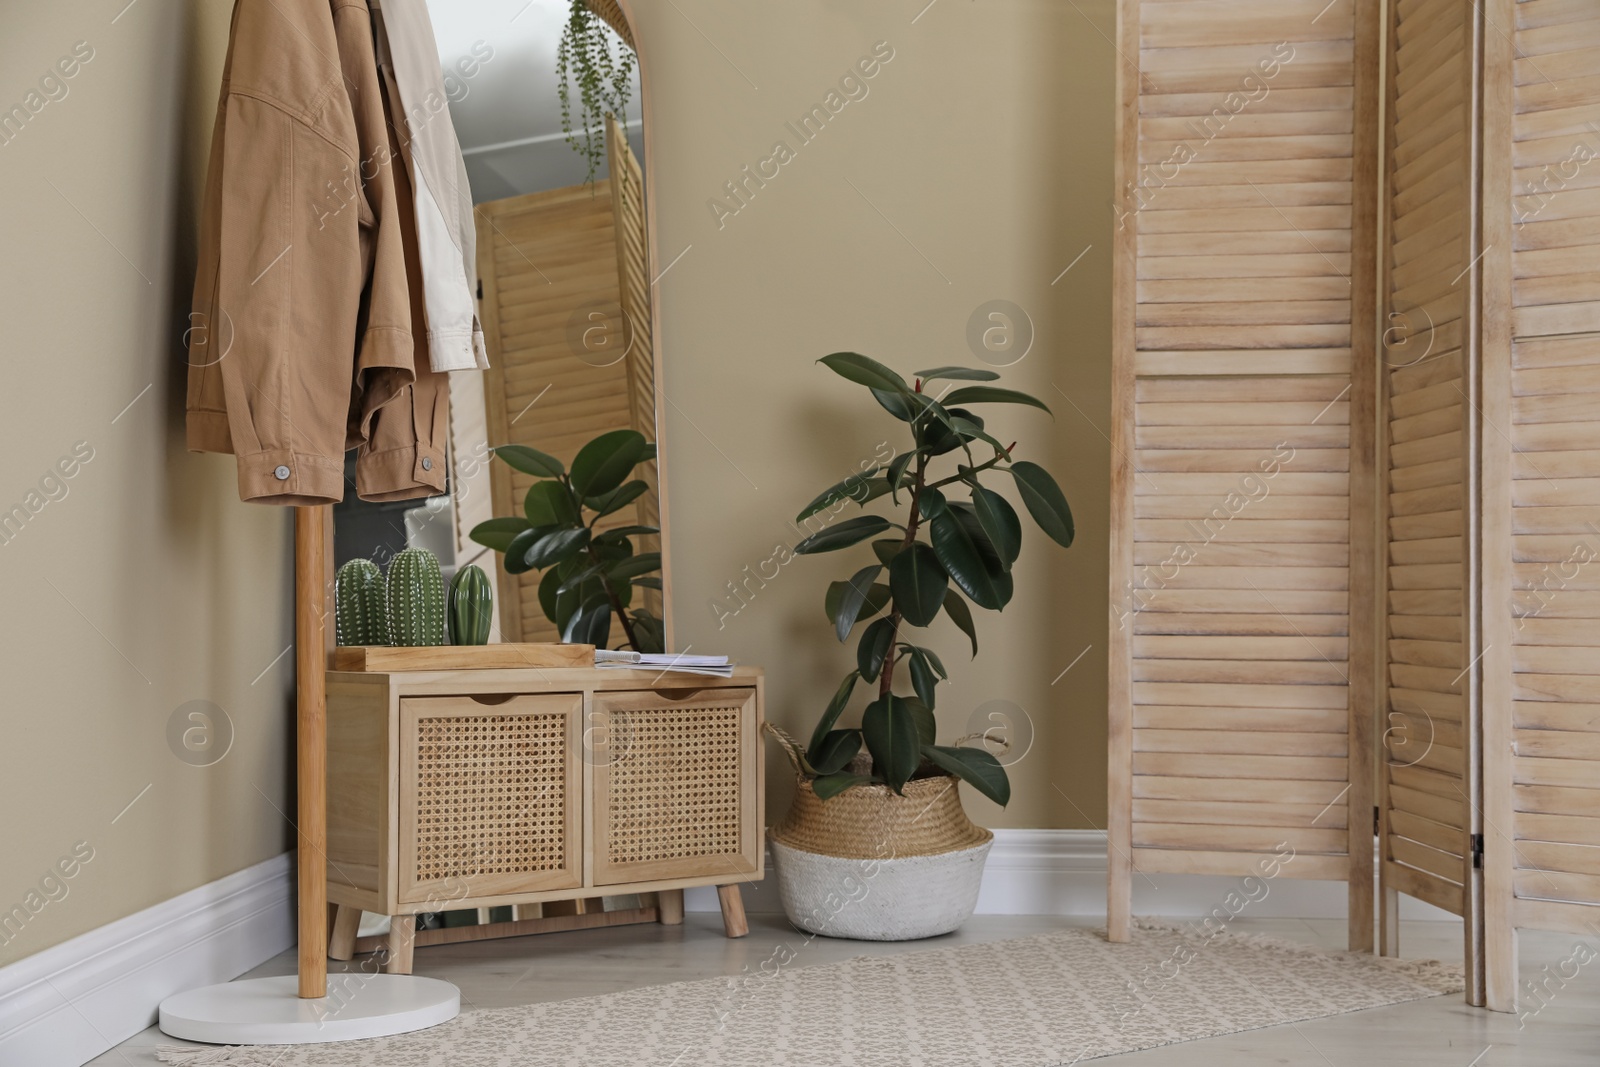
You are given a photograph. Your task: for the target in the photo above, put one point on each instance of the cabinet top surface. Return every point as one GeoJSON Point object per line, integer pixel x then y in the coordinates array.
{"type": "Point", "coordinates": [548, 679]}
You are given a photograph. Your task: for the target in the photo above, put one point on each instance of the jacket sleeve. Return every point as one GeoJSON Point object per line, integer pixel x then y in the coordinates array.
{"type": "Point", "coordinates": [278, 290]}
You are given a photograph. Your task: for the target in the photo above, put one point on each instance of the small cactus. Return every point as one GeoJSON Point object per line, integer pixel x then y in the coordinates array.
{"type": "Point", "coordinates": [416, 599]}
{"type": "Point", "coordinates": [361, 604]}
{"type": "Point", "coordinates": [471, 606]}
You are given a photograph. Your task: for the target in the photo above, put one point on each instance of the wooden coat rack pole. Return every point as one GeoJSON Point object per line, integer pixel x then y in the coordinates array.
{"type": "Point", "coordinates": [273, 1011]}
{"type": "Point", "coordinates": [311, 529]}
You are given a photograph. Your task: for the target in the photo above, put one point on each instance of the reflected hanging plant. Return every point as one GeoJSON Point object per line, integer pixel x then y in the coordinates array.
{"type": "Point", "coordinates": [591, 54]}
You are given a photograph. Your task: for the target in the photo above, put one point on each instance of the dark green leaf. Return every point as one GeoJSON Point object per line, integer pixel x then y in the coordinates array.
{"type": "Point", "coordinates": [853, 598]}
{"type": "Point", "coordinates": [633, 566]}
{"type": "Point", "coordinates": [603, 464]}
{"type": "Point", "coordinates": [961, 615]}
{"type": "Point", "coordinates": [830, 715]}
{"type": "Point", "coordinates": [649, 581]}
{"type": "Point", "coordinates": [964, 551]}
{"type": "Point", "coordinates": [578, 576]}
{"type": "Point", "coordinates": [972, 429]}
{"type": "Point", "coordinates": [555, 547]}
{"type": "Point", "coordinates": [517, 550]}
{"type": "Point", "coordinates": [647, 628]}
{"type": "Point", "coordinates": [622, 533]}
{"type": "Point", "coordinates": [933, 659]}
{"type": "Point", "coordinates": [548, 598]}
{"type": "Point", "coordinates": [918, 582]}
{"type": "Point", "coordinates": [895, 474]}
{"type": "Point", "coordinates": [923, 680]}
{"type": "Point", "coordinates": [831, 785]}
{"type": "Point", "coordinates": [838, 748]}
{"type": "Point", "coordinates": [895, 404]}
{"type": "Point", "coordinates": [890, 731]}
{"type": "Point", "coordinates": [999, 521]}
{"type": "Point", "coordinates": [887, 548]}
{"type": "Point", "coordinates": [865, 371]}
{"type": "Point", "coordinates": [874, 647]}
{"type": "Point", "coordinates": [497, 533]}
{"type": "Point", "coordinates": [861, 488]}
{"type": "Point", "coordinates": [618, 498]}
{"type": "Point", "coordinates": [975, 767]}
{"type": "Point", "coordinates": [591, 624]}
{"type": "Point", "coordinates": [922, 715]}
{"type": "Point", "coordinates": [930, 503]}
{"type": "Point", "coordinates": [958, 374]}
{"type": "Point", "coordinates": [550, 504]}
{"type": "Point", "coordinates": [844, 534]}
{"type": "Point", "coordinates": [568, 603]}
{"type": "Point", "coordinates": [612, 551]}
{"type": "Point", "coordinates": [1044, 501]}
{"type": "Point", "coordinates": [990, 394]}
{"type": "Point", "coordinates": [876, 599]}
{"type": "Point", "coordinates": [530, 461]}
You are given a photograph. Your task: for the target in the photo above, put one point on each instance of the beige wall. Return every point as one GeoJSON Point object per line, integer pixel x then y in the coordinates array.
{"type": "Point", "coordinates": [148, 585]}
{"type": "Point", "coordinates": [986, 141]}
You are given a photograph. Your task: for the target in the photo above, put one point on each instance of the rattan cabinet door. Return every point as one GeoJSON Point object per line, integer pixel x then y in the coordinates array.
{"type": "Point", "coordinates": [489, 796]}
{"type": "Point", "coordinates": [673, 783]}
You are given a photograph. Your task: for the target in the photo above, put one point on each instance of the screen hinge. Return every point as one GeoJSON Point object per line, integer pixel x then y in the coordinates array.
{"type": "Point", "coordinates": [1377, 821]}
{"type": "Point", "coordinates": [1476, 842]}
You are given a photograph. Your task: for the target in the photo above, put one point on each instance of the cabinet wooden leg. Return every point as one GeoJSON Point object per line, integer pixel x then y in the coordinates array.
{"type": "Point", "coordinates": [402, 938]}
{"type": "Point", "coordinates": [669, 907]}
{"type": "Point", "coordinates": [342, 932]}
{"type": "Point", "coordinates": [733, 920]}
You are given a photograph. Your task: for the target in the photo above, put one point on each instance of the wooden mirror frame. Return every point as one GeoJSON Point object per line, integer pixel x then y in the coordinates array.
{"type": "Point", "coordinates": [313, 560]}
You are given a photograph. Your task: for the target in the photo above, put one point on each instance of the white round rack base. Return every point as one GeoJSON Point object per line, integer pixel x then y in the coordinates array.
{"type": "Point", "coordinates": [269, 1011]}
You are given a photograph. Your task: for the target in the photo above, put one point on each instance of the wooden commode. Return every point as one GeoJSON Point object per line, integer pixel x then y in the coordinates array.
{"type": "Point", "coordinates": [544, 789]}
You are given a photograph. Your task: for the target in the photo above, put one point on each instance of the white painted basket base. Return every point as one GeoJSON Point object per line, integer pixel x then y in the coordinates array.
{"type": "Point", "coordinates": [899, 899]}
{"type": "Point", "coordinates": [269, 1011]}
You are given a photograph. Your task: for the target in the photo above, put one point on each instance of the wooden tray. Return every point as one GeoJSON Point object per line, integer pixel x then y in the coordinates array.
{"type": "Point", "coordinates": [460, 657]}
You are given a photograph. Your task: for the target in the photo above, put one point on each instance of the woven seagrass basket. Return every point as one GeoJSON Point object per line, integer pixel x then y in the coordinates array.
{"type": "Point", "coordinates": [872, 822]}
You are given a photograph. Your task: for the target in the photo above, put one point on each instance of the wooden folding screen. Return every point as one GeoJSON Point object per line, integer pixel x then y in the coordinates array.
{"type": "Point", "coordinates": [1428, 788]}
{"type": "Point", "coordinates": [1243, 533]}
{"type": "Point", "coordinates": [1540, 449]}
{"type": "Point", "coordinates": [634, 293]}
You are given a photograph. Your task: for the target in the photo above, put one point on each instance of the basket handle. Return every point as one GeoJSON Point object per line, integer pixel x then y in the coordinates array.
{"type": "Point", "coordinates": [791, 747]}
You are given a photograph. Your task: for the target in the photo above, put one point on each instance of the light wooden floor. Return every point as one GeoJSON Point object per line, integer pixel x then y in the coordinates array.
{"type": "Point", "coordinates": [1441, 1032]}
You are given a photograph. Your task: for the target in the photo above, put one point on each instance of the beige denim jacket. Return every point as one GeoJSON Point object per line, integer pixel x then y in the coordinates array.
{"type": "Point", "coordinates": [308, 335]}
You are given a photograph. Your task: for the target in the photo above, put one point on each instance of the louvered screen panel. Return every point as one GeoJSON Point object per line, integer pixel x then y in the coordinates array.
{"type": "Point", "coordinates": [1427, 789]}
{"type": "Point", "coordinates": [553, 321]}
{"type": "Point", "coordinates": [633, 276]}
{"type": "Point", "coordinates": [1242, 540]}
{"type": "Point", "coordinates": [1542, 475]}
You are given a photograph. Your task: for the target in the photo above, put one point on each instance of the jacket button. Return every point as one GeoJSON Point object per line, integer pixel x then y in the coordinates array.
{"type": "Point", "coordinates": [427, 463]}
{"type": "Point", "coordinates": [282, 473]}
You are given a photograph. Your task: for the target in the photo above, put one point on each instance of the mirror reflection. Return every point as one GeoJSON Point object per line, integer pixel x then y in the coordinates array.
{"type": "Point", "coordinates": [544, 98]}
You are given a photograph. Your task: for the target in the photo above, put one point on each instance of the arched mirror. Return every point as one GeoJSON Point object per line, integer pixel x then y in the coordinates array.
{"type": "Point", "coordinates": [546, 103]}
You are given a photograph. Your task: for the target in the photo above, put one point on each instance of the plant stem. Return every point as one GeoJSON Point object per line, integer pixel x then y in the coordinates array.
{"type": "Point", "coordinates": [987, 465]}
{"type": "Point", "coordinates": [886, 676]}
{"type": "Point", "coordinates": [616, 602]}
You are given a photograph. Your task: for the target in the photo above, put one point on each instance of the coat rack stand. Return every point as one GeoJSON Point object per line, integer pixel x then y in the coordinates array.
{"type": "Point", "coordinates": [297, 1010]}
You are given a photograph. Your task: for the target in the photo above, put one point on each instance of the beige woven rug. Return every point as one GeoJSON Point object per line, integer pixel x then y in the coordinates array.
{"type": "Point", "coordinates": [1043, 1001]}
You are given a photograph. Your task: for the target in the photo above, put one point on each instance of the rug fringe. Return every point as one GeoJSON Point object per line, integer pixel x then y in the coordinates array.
{"type": "Point", "coordinates": [207, 1055]}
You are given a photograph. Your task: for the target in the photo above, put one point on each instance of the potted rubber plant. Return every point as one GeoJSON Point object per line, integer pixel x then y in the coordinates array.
{"type": "Point", "coordinates": [878, 803]}
{"type": "Point", "coordinates": [590, 574]}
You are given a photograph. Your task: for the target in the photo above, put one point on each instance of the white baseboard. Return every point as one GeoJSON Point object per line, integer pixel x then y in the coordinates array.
{"type": "Point", "coordinates": [1063, 872]}
{"type": "Point", "coordinates": [71, 1002]}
